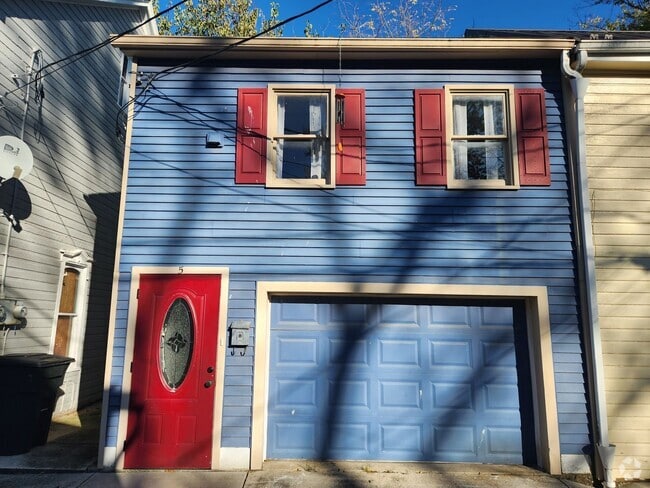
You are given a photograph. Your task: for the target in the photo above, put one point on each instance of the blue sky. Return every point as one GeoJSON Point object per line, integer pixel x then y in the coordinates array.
{"type": "Point", "coordinates": [479, 14]}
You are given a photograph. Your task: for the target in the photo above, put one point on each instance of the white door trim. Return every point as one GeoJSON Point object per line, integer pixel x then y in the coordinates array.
{"type": "Point", "coordinates": [136, 272]}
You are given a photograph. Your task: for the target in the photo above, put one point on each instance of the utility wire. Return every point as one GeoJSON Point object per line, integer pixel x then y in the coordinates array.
{"type": "Point", "coordinates": [205, 57]}
{"type": "Point", "coordinates": [213, 54]}
{"type": "Point", "coordinates": [72, 58]}
{"type": "Point", "coordinates": [191, 62]}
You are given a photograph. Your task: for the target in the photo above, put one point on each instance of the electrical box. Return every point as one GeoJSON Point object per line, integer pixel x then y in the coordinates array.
{"type": "Point", "coordinates": [12, 312]}
{"type": "Point", "coordinates": [239, 333]}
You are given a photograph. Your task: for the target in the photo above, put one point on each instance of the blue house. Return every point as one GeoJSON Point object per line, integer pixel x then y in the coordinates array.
{"type": "Point", "coordinates": [345, 249]}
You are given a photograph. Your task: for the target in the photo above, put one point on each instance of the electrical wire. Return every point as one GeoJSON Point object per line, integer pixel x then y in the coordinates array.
{"type": "Point", "coordinates": [73, 58]}
{"type": "Point", "coordinates": [213, 54]}
{"type": "Point", "coordinates": [205, 57]}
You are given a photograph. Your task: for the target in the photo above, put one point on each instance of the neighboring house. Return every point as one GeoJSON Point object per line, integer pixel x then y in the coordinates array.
{"type": "Point", "coordinates": [62, 216]}
{"type": "Point", "coordinates": [385, 224]}
{"type": "Point", "coordinates": [612, 74]}
{"type": "Point", "coordinates": [607, 88]}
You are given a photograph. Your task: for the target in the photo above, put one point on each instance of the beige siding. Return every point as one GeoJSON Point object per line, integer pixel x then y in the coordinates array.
{"type": "Point", "coordinates": [77, 165]}
{"type": "Point", "coordinates": [618, 156]}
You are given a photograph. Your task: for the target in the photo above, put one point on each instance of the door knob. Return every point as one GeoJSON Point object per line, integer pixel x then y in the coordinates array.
{"type": "Point", "coordinates": [207, 384]}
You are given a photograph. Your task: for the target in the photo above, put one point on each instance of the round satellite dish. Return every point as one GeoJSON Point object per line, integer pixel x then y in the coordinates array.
{"type": "Point", "coordinates": [16, 160]}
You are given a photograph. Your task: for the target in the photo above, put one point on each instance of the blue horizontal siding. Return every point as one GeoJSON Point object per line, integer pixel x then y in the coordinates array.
{"type": "Point", "coordinates": [183, 209]}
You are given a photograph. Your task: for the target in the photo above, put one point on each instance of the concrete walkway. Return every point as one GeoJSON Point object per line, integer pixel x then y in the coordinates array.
{"type": "Point", "coordinates": [69, 460]}
{"type": "Point", "coordinates": [285, 474]}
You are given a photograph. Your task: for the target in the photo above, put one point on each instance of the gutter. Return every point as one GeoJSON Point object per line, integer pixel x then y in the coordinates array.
{"type": "Point", "coordinates": [574, 101]}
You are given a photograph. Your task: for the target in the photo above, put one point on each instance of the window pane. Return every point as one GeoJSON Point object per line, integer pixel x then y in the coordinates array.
{"type": "Point", "coordinates": [477, 115]}
{"type": "Point", "coordinates": [176, 343]}
{"type": "Point", "coordinates": [62, 338]}
{"type": "Point", "coordinates": [302, 114]}
{"type": "Point", "coordinates": [302, 137]}
{"type": "Point", "coordinates": [303, 159]}
{"type": "Point", "coordinates": [479, 160]}
{"type": "Point", "coordinates": [67, 304]}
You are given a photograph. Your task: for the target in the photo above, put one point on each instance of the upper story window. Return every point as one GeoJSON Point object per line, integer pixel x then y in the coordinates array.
{"type": "Point", "coordinates": [481, 138]}
{"type": "Point", "coordinates": [301, 135]}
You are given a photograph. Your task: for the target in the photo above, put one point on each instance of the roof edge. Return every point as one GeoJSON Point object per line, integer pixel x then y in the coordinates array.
{"type": "Point", "coordinates": [181, 47]}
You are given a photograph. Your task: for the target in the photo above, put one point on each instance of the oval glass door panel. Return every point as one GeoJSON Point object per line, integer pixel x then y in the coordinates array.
{"type": "Point", "coordinates": [176, 343]}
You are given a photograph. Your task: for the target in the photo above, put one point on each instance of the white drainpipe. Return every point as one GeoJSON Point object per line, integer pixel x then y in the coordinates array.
{"type": "Point", "coordinates": [604, 452]}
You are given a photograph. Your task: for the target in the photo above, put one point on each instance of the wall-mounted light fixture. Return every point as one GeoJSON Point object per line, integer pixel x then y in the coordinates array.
{"type": "Point", "coordinates": [214, 140]}
{"type": "Point", "coordinates": [239, 336]}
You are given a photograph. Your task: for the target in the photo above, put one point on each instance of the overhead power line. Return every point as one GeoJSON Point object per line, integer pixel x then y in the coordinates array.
{"type": "Point", "coordinates": [73, 58]}
{"type": "Point", "coordinates": [211, 55]}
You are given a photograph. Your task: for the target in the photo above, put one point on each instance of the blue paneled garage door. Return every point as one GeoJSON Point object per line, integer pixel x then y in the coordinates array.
{"type": "Point", "coordinates": [394, 381]}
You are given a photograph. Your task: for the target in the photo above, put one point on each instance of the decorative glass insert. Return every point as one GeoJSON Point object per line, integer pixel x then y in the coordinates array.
{"type": "Point", "coordinates": [480, 137]}
{"type": "Point", "coordinates": [176, 343]}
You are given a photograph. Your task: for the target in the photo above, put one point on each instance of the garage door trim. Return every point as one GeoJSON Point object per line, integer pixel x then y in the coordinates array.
{"type": "Point", "coordinates": [538, 332]}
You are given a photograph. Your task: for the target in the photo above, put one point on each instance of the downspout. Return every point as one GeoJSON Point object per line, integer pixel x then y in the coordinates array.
{"type": "Point", "coordinates": [603, 452]}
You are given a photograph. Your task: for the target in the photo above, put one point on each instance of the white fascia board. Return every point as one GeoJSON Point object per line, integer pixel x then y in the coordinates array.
{"type": "Point", "coordinates": [179, 47]}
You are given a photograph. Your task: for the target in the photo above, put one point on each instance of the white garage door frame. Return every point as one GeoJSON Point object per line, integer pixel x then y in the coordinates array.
{"type": "Point", "coordinates": [538, 331]}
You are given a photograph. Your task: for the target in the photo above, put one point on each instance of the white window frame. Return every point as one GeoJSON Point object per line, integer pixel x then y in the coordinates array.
{"type": "Point", "coordinates": [510, 136]}
{"type": "Point", "coordinates": [81, 262]}
{"type": "Point", "coordinates": [272, 180]}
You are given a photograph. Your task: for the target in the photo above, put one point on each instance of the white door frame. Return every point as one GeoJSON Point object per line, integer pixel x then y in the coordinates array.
{"type": "Point", "coordinates": [538, 331]}
{"type": "Point", "coordinates": [136, 272]}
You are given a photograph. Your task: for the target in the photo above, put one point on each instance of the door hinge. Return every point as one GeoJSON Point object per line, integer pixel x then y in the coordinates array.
{"type": "Point", "coordinates": [131, 368]}
{"type": "Point", "coordinates": [137, 294]}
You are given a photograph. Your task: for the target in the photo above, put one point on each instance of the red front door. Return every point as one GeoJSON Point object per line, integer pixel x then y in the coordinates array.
{"type": "Point", "coordinates": [173, 372]}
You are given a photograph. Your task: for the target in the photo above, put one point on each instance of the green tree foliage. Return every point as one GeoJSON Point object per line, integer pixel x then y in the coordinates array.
{"type": "Point", "coordinates": [395, 18]}
{"type": "Point", "coordinates": [164, 22]}
{"type": "Point", "coordinates": [219, 18]}
{"type": "Point", "coordinates": [632, 15]}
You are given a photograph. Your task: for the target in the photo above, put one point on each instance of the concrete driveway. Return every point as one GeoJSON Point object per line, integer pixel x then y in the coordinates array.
{"type": "Point", "coordinates": [303, 474]}
{"type": "Point", "coordinates": [69, 460]}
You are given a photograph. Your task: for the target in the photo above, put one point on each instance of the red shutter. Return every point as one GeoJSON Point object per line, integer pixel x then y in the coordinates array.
{"type": "Point", "coordinates": [532, 138]}
{"type": "Point", "coordinates": [351, 139]}
{"type": "Point", "coordinates": [250, 153]}
{"type": "Point", "coordinates": [430, 154]}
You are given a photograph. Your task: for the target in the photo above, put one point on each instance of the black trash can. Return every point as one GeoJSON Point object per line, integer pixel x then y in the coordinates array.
{"type": "Point", "coordinates": [29, 385]}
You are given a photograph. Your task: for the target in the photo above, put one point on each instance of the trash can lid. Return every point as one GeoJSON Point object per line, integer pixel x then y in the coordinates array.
{"type": "Point", "coordinates": [34, 360]}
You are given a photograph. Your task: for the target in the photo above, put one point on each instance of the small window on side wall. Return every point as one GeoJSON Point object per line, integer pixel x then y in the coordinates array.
{"type": "Point", "coordinates": [481, 138]}
{"type": "Point", "coordinates": [125, 81]}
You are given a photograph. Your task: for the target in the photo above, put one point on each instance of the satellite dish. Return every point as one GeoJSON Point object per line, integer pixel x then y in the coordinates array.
{"type": "Point", "coordinates": [16, 160]}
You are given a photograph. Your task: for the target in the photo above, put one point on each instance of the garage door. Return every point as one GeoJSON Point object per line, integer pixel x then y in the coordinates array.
{"type": "Point", "coordinates": [394, 381]}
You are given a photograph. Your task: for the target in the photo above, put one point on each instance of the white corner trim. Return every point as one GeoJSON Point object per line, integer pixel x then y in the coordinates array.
{"type": "Point", "coordinates": [234, 458]}
{"type": "Point", "coordinates": [109, 458]}
{"type": "Point", "coordinates": [575, 464]}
